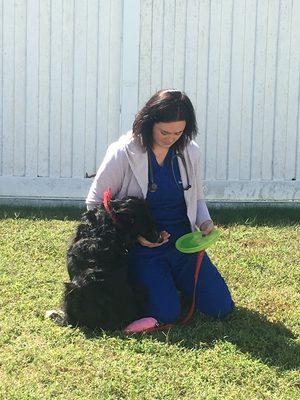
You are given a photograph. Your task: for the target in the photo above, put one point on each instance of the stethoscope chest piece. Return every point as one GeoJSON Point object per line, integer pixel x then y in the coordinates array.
{"type": "Point", "coordinates": [152, 187]}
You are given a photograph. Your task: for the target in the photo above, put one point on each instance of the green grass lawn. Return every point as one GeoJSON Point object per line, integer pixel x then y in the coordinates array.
{"type": "Point", "coordinates": [253, 354]}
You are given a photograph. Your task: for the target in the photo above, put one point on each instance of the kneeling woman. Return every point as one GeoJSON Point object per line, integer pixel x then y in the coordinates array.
{"type": "Point", "coordinates": [159, 161]}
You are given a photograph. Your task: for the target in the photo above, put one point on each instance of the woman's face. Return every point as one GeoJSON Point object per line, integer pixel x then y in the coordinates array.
{"type": "Point", "coordinates": [165, 134]}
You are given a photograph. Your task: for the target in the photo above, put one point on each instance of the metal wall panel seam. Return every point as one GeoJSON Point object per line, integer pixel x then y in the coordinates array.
{"type": "Point", "coordinates": [97, 91]}
{"type": "Point", "coordinates": [1, 86]}
{"type": "Point", "coordinates": [130, 64]}
{"type": "Point", "coordinates": [275, 91]}
{"type": "Point", "coordinates": [290, 166]}
{"type": "Point", "coordinates": [229, 94]}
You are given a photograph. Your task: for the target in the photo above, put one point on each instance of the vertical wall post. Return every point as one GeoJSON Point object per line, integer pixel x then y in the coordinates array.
{"type": "Point", "coordinates": [130, 63]}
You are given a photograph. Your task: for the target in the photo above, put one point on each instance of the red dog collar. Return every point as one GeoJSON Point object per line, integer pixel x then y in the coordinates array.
{"type": "Point", "coordinates": [107, 196]}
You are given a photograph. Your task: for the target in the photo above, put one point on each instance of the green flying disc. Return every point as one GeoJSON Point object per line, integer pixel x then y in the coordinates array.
{"type": "Point", "coordinates": [195, 241]}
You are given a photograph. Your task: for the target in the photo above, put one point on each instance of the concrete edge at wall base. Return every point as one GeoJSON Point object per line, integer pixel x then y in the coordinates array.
{"type": "Point", "coordinates": [80, 202]}
{"type": "Point", "coordinates": [252, 203]}
{"type": "Point", "coordinates": [66, 190]}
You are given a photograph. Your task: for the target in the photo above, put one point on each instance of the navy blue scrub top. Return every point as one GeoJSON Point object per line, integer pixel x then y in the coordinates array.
{"type": "Point", "coordinates": [167, 203]}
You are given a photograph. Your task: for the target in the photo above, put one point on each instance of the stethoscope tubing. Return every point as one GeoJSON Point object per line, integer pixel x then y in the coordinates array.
{"type": "Point", "coordinates": [152, 186]}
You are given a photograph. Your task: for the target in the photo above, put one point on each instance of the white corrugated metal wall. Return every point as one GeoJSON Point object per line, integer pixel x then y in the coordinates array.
{"type": "Point", "coordinates": [75, 72]}
{"type": "Point", "coordinates": [239, 61]}
{"type": "Point", "coordinates": [61, 68]}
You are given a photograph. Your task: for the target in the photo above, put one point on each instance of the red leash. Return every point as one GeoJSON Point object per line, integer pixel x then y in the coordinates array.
{"type": "Point", "coordinates": [191, 311]}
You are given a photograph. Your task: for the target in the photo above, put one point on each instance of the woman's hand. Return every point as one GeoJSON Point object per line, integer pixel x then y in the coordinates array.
{"type": "Point", "coordinates": [164, 235]}
{"type": "Point", "coordinates": [206, 227]}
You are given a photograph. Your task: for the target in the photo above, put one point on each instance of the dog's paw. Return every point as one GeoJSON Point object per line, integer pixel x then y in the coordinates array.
{"type": "Point", "coordinates": [57, 316]}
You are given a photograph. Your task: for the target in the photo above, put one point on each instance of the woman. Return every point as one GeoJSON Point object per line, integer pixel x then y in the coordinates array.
{"type": "Point", "coordinates": [159, 161]}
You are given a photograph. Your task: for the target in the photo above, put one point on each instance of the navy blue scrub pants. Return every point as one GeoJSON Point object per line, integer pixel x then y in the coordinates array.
{"type": "Point", "coordinates": [163, 272]}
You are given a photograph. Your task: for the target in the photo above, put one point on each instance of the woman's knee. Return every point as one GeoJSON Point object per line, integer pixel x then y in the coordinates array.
{"type": "Point", "coordinates": [225, 310]}
{"type": "Point", "coordinates": [214, 298]}
{"type": "Point", "coordinates": [219, 311]}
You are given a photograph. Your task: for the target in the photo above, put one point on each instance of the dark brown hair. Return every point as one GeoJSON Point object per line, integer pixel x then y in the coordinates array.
{"type": "Point", "coordinates": [166, 106]}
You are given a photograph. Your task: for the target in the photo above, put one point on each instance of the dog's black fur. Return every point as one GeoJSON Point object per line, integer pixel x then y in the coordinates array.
{"type": "Point", "coordinates": [98, 295]}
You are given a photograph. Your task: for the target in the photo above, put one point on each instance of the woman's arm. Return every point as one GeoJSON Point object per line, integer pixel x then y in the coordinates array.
{"type": "Point", "coordinates": [109, 175]}
{"type": "Point", "coordinates": [203, 218]}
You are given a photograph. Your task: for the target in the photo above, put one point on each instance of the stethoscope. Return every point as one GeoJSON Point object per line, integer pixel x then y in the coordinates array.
{"type": "Point", "coordinates": [152, 186]}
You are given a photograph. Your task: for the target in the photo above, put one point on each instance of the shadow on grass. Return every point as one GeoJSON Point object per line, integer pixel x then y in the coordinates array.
{"type": "Point", "coordinates": [251, 216]}
{"type": "Point", "coordinates": [249, 331]}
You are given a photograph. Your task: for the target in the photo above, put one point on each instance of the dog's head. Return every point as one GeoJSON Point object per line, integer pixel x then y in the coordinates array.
{"type": "Point", "coordinates": [133, 216]}
{"type": "Point", "coordinates": [130, 215]}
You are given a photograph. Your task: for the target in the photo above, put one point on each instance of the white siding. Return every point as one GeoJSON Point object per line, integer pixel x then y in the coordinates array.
{"type": "Point", "coordinates": [75, 72]}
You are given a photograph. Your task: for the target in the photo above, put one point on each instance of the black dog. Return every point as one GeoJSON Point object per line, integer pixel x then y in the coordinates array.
{"type": "Point", "coordinates": [99, 295]}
